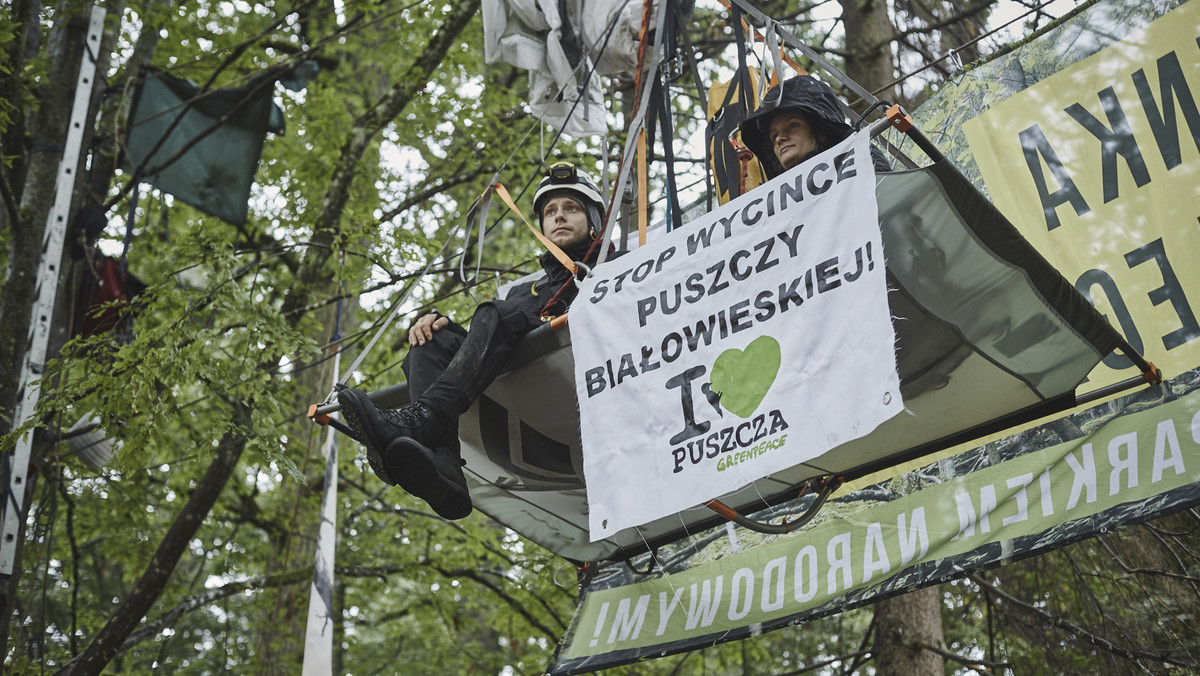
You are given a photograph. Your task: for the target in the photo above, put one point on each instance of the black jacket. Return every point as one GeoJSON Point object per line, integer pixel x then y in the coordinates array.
{"type": "Point", "coordinates": [817, 102]}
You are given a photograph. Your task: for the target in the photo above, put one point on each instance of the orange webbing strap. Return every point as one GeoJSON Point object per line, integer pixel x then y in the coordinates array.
{"type": "Point", "coordinates": [788, 60]}
{"type": "Point", "coordinates": [641, 178]}
{"type": "Point", "coordinates": [550, 246]}
{"type": "Point", "coordinates": [773, 80]}
{"type": "Point", "coordinates": [647, 7]}
{"type": "Point", "coordinates": [745, 157]}
{"type": "Point", "coordinates": [758, 36]}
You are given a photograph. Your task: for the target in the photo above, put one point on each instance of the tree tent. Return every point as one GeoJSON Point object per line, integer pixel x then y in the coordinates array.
{"type": "Point", "coordinates": [989, 335]}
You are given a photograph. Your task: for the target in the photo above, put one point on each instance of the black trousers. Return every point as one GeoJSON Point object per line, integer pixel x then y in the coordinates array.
{"type": "Point", "coordinates": [449, 372]}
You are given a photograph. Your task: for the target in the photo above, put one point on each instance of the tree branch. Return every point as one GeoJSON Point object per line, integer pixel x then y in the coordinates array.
{"type": "Point", "coordinates": [976, 665]}
{"type": "Point", "coordinates": [1078, 630]}
{"type": "Point", "coordinates": [818, 665]}
{"type": "Point", "coordinates": [426, 193]}
{"type": "Point", "coordinates": [212, 595]}
{"type": "Point", "coordinates": [296, 576]}
{"type": "Point", "coordinates": [478, 577]}
{"type": "Point", "coordinates": [174, 543]}
{"type": "Point", "coordinates": [965, 13]}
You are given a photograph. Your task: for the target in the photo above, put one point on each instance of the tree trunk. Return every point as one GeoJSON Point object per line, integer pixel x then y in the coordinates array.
{"type": "Point", "coordinates": [111, 126]}
{"type": "Point", "coordinates": [902, 623]}
{"type": "Point", "coordinates": [869, 32]}
{"type": "Point", "coordinates": [281, 639]}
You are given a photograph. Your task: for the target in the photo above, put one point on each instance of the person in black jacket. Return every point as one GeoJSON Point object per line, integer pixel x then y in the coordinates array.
{"type": "Point", "coordinates": [448, 366]}
{"type": "Point", "coordinates": [798, 119]}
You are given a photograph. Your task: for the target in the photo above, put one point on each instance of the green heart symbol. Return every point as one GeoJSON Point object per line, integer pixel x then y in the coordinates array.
{"type": "Point", "coordinates": [742, 377]}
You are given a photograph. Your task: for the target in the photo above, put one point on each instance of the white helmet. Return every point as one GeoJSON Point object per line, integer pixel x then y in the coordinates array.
{"type": "Point", "coordinates": [562, 178]}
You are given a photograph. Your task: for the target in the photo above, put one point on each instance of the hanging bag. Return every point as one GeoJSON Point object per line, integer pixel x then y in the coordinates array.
{"type": "Point", "coordinates": [728, 104]}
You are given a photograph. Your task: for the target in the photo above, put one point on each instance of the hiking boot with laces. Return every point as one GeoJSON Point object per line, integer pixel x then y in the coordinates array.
{"type": "Point", "coordinates": [413, 447]}
{"type": "Point", "coordinates": [377, 427]}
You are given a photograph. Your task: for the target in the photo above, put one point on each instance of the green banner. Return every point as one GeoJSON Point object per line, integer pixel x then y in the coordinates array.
{"type": "Point", "coordinates": [1104, 467]}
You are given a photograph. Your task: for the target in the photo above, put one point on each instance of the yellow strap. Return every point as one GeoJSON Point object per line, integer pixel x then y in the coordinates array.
{"type": "Point", "coordinates": [550, 246]}
{"type": "Point", "coordinates": [641, 178]}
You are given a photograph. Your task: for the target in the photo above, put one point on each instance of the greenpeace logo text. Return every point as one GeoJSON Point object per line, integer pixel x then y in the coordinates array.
{"type": "Point", "coordinates": [742, 438]}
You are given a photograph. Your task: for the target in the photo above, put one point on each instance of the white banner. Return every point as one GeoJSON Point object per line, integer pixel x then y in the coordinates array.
{"type": "Point", "coordinates": [753, 339]}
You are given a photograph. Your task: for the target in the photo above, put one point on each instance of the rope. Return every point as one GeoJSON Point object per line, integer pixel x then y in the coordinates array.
{"type": "Point", "coordinates": [951, 53]}
{"type": "Point", "coordinates": [391, 317]}
{"type": "Point", "coordinates": [553, 248]}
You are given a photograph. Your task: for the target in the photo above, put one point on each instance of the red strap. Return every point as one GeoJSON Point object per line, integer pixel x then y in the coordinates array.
{"type": "Point", "coordinates": [642, 187]}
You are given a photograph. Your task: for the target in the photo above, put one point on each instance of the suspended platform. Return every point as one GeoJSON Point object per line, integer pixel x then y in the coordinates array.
{"type": "Point", "coordinates": [989, 336]}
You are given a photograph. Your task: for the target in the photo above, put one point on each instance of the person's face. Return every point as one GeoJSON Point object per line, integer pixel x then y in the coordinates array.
{"type": "Point", "coordinates": [564, 221]}
{"type": "Point", "coordinates": [791, 137]}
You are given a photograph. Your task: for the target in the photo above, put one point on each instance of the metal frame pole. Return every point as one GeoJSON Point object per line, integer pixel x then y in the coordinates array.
{"type": "Point", "coordinates": [796, 43]}
{"type": "Point", "coordinates": [46, 293]}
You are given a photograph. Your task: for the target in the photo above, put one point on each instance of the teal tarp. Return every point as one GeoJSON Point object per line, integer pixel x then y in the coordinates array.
{"type": "Point", "coordinates": [222, 131]}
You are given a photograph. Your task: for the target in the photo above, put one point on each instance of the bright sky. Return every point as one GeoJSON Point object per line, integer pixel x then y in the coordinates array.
{"type": "Point", "coordinates": [1007, 10]}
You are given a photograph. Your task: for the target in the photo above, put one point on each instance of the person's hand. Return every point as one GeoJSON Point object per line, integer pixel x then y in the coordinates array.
{"type": "Point", "coordinates": [422, 329]}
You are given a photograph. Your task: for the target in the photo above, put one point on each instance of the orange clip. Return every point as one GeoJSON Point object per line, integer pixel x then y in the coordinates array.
{"type": "Point", "coordinates": [586, 572]}
{"type": "Point", "coordinates": [898, 118]}
{"type": "Point", "coordinates": [1153, 376]}
{"type": "Point", "coordinates": [322, 419]}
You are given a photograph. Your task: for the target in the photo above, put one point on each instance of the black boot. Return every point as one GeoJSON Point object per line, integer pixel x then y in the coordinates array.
{"type": "Point", "coordinates": [433, 474]}
{"type": "Point", "coordinates": [414, 447]}
{"type": "Point", "coordinates": [377, 427]}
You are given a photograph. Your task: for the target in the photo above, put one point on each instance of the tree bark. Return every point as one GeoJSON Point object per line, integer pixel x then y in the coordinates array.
{"type": "Point", "coordinates": [869, 33]}
{"type": "Point", "coordinates": [901, 623]}
{"type": "Point", "coordinates": [35, 195]}
{"type": "Point", "coordinates": [111, 125]}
